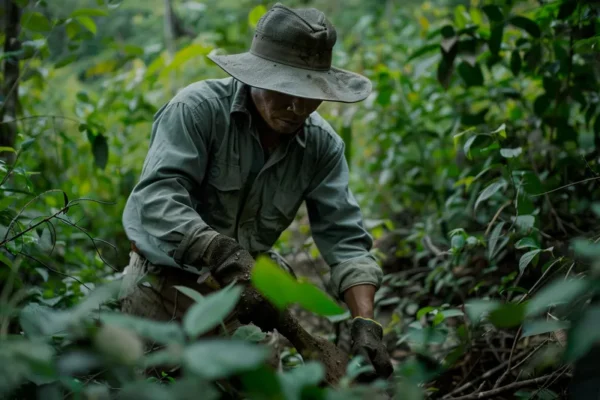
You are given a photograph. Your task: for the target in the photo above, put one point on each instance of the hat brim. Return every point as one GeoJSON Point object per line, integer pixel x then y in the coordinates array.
{"type": "Point", "coordinates": [335, 85]}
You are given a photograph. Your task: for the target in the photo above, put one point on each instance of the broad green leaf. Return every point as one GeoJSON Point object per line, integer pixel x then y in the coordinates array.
{"type": "Point", "coordinates": [584, 333]}
{"type": "Point", "coordinates": [490, 191]}
{"type": "Point", "coordinates": [35, 21]}
{"type": "Point", "coordinates": [255, 14]}
{"type": "Point", "coordinates": [191, 293]}
{"type": "Point", "coordinates": [477, 309]}
{"type": "Point", "coordinates": [40, 321]}
{"type": "Point", "coordinates": [249, 332]}
{"type": "Point", "coordinates": [218, 358]}
{"type": "Point", "coordinates": [212, 310]}
{"type": "Point", "coordinates": [262, 384]}
{"type": "Point", "coordinates": [508, 315]}
{"type": "Point", "coordinates": [567, 8]}
{"type": "Point", "coordinates": [453, 312]}
{"type": "Point", "coordinates": [526, 259]}
{"type": "Point", "coordinates": [184, 55]}
{"type": "Point", "coordinates": [527, 242]}
{"type": "Point", "coordinates": [495, 41]}
{"type": "Point", "coordinates": [307, 375]}
{"type": "Point", "coordinates": [429, 48]}
{"type": "Point", "coordinates": [493, 12]}
{"type": "Point", "coordinates": [73, 29]}
{"type": "Point", "coordinates": [472, 75]}
{"type": "Point", "coordinates": [525, 222]}
{"type": "Point", "coordinates": [88, 23]}
{"type": "Point", "coordinates": [144, 390]}
{"type": "Point", "coordinates": [495, 235]}
{"type": "Point", "coordinates": [586, 248]}
{"type": "Point", "coordinates": [457, 242]}
{"type": "Point", "coordinates": [7, 149]}
{"type": "Point", "coordinates": [515, 62]}
{"type": "Point", "coordinates": [444, 71]}
{"type": "Point", "coordinates": [95, 299]}
{"type": "Point", "coordinates": [557, 292]}
{"type": "Point", "coordinates": [89, 12]}
{"type": "Point", "coordinates": [541, 104]}
{"type": "Point", "coordinates": [100, 150]}
{"type": "Point", "coordinates": [65, 61]}
{"type": "Point", "coordinates": [596, 207]}
{"type": "Point", "coordinates": [282, 290]}
{"type": "Point", "coordinates": [527, 25]}
{"type": "Point", "coordinates": [532, 328]}
{"type": "Point", "coordinates": [26, 144]}
{"type": "Point", "coordinates": [169, 356]}
{"type": "Point", "coordinates": [157, 331]}
{"type": "Point", "coordinates": [424, 311]}
{"type": "Point", "coordinates": [511, 153]}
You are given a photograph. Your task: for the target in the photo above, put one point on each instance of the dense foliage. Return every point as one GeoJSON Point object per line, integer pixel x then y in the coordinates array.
{"type": "Point", "coordinates": [475, 160]}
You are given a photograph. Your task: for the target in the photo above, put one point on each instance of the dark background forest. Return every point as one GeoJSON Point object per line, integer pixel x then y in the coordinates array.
{"type": "Point", "coordinates": [476, 162]}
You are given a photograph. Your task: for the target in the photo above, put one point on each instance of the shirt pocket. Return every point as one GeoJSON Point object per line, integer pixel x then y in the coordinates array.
{"type": "Point", "coordinates": [278, 214]}
{"type": "Point", "coordinates": [220, 199]}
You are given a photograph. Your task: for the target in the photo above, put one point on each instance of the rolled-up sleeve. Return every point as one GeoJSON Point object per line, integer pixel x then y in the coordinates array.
{"type": "Point", "coordinates": [337, 225]}
{"type": "Point", "coordinates": [160, 212]}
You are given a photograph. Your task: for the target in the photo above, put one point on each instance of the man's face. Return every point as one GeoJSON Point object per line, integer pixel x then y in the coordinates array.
{"type": "Point", "coordinates": [281, 112]}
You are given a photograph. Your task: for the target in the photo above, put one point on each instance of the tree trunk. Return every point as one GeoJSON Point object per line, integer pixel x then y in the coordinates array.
{"type": "Point", "coordinates": [10, 88]}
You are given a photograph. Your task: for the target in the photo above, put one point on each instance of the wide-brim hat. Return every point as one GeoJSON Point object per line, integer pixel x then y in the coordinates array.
{"type": "Point", "coordinates": [291, 53]}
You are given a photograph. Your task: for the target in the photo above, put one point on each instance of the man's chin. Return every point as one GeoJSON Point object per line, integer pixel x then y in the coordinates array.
{"type": "Point", "coordinates": [286, 128]}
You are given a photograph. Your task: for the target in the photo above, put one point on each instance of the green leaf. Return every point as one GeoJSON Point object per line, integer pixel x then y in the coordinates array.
{"type": "Point", "coordinates": [495, 235]}
{"type": "Point", "coordinates": [72, 29]}
{"type": "Point", "coordinates": [218, 358]}
{"type": "Point", "coordinates": [587, 249]}
{"type": "Point", "coordinates": [444, 71]}
{"type": "Point", "coordinates": [95, 299]}
{"type": "Point", "coordinates": [477, 309]}
{"type": "Point", "coordinates": [495, 41]}
{"type": "Point", "coordinates": [429, 48]}
{"type": "Point", "coordinates": [527, 243]}
{"type": "Point", "coordinates": [490, 191]}
{"type": "Point", "coordinates": [532, 328]}
{"type": "Point", "coordinates": [448, 31]}
{"type": "Point", "coordinates": [212, 310]}
{"type": "Point", "coordinates": [508, 315]}
{"type": "Point", "coordinates": [88, 23]}
{"type": "Point", "coordinates": [255, 14]}
{"type": "Point", "coordinates": [282, 290]}
{"type": "Point", "coordinates": [515, 62]}
{"type": "Point", "coordinates": [511, 153]}
{"type": "Point", "coordinates": [457, 242]}
{"type": "Point", "coordinates": [191, 293]}
{"type": "Point", "coordinates": [472, 75]}
{"type": "Point", "coordinates": [26, 144]}
{"type": "Point", "coordinates": [525, 222]}
{"type": "Point", "coordinates": [557, 292]}
{"type": "Point", "coordinates": [584, 334]}
{"type": "Point", "coordinates": [567, 8]}
{"type": "Point", "coordinates": [100, 150]}
{"type": "Point", "coordinates": [7, 149]}
{"type": "Point", "coordinates": [40, 321]}
{"type": "Point", "coordinates": [65, 61]}
{"type": "Point", "coordinates": [425, 310]}
{"type": "Point", "coordinates": [35, 22]}
{"type": "Point", "coordinates": [294, 381]}
{"type": "Point", "coordinates": [452, 313]}
{"type": "Point", "coordinates": [249, 332]}
{"type": "Point", "coordinates": [527, 258]}
{"type": "Point", "coordinates": [493, 12]}
{"type": "Point", "coordinates": [527, 25]}
{"type": "Point", "coordinates": [160, 332]}
{"type": "Point", "coordinates": [541, 104]}
{"type": "Point", "coordinates": [89, 12]}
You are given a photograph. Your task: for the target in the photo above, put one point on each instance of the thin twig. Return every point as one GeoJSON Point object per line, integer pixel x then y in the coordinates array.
{"type": "Point", "coordinates": [496, 391]}
{"type": "Point", "coordinates": [566, 186]}
{"type": "Point", "coordinates": [56, 271]}
{"type": "Point", "coordinates": [510, 358]}
{"type": "Point", "coordinates": [484, 376]}
{"type": "Point", "coordinates": [538, 281]}
{"type": "Point", "coordinates": [489, 227]}
{"type": "Point", "coordinates": [529, 355]}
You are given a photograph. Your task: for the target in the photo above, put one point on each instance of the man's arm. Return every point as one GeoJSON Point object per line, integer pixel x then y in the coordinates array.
{"type": "Point", "coordinates": [161, 205]}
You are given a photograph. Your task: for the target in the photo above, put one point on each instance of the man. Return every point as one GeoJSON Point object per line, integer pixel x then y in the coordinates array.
{"type": "Point", "coordinates": [231, 161]}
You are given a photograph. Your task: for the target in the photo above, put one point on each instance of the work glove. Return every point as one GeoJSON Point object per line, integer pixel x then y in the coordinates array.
{"type": "Point", "coordinates": [367, 336]}
{"type": "Point", "coordinates": [229, 261]}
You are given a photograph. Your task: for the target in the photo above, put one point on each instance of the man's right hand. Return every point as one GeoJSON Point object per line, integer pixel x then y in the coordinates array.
{"type": "Point", "coordinates": [229, 261]}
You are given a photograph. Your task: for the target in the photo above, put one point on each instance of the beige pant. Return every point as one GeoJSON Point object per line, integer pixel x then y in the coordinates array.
{"type": "Point", "coordinates": [154, 296]}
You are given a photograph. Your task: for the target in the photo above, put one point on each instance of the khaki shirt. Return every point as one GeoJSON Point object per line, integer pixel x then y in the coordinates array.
{"type": "Point", "coordinates": [205, 173]}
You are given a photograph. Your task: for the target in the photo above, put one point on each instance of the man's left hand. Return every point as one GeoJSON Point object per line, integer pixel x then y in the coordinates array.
{"type": "Point", "coordinates": [367, 341]}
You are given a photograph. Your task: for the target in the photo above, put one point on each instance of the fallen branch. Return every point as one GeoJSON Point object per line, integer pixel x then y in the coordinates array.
{"type": "Point", "coordinates": [512, 386]}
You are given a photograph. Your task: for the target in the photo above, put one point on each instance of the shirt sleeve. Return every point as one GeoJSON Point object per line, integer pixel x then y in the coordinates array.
{"type": "Point", "coordinates": [173, 169]}
{"type": "Point", "coordinates": [337, 225]}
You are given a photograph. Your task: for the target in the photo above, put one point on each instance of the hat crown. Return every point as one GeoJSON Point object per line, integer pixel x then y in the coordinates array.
{"type": "Point", "coordinates": [302, 38]}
